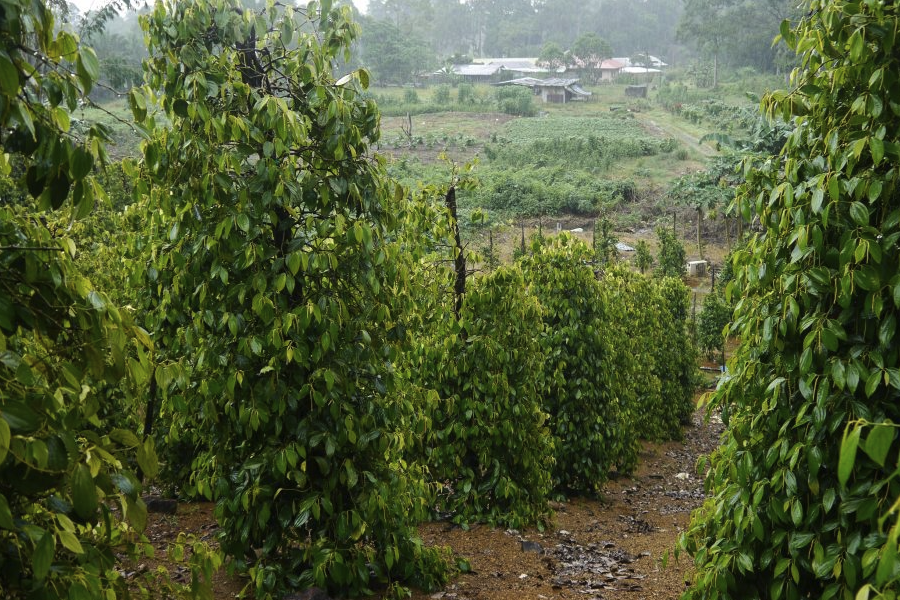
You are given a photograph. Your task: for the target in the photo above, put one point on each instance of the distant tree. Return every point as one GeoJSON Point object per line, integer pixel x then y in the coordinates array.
{"type": "Point", "coordinates": [604, 242]}
{"type": "Point", "coordinates": [630, 27]}
{"type": "Point", "coordinates": [552, 56]}
{"type": "Point", "coordinates": [643, 258]}
{"type": "Point", "coordinates": [706, 25]}
{"type": "Point", "coordinates": [708, 192]}
{"type": "Point", "coordinates": [671, 258]}
{"type": "Point", "coordinates": [738, 32]}
{"type": "Point", "coordinates": [591, 50]}
{"type": "Point", "coordinates": [391, 55]}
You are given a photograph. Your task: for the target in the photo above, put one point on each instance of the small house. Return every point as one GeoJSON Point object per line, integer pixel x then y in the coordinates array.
{"type": "Point", "coordinates": [610, 69]}
{"type": "Point", "coordinates": [477, 72]}
{"type": "Point", "coordinates": [555, 89]}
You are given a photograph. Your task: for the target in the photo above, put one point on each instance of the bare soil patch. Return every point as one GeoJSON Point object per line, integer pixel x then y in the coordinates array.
{"type": "Point", "coordinates": [609, 547]}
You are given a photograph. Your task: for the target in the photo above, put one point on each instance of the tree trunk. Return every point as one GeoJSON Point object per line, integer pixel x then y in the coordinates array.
{"type": "Point", "coordinates": [459, 259]}
{"type": "Point", "coordinates": [716, 69]}
{"type": "Point", "coordinates": [699, 245]}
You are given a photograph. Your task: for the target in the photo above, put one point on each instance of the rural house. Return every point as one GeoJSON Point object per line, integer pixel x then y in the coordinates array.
{"type": "Point", "coordinates": [492, 69]}
{"type": "Point", "coordinates": [609, 69]}
{"type": "Point", "coordinates": [555, 89]}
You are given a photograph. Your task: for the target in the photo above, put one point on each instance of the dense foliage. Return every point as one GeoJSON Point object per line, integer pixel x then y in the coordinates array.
{"type": "Point", "coordinates": [671, 257]}
{"type": "Point", "coordinates": [274, 277]}
{"type": "Point", "coordinates": [68, 501]}
{"type": "Point", "coordinates": [588, 398]}
{"type": "Point", "coordinates": [804, 487]}
{"type": "Point", "coordinates": [654, 334]}
{"type": "Point", "coordinates": [490, 443]}
{"type": "Point", "coordinates": [515, 100]}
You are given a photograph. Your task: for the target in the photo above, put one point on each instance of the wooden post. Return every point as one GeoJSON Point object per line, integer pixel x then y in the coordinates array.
{"type": "Point", "coordinates": [699, 245]}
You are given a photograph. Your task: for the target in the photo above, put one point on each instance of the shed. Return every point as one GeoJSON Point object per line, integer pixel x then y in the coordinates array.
{"type": "Point", "coordinates": [555, 89]}
{"type": "Point", "coordinates": [477, 72]}
{"type": "Point", "coordinates": [636, 91]}
{"type": "Point", "coordinates": [697, 268]}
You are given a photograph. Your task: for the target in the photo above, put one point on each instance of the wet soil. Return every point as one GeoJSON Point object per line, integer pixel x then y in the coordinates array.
{"type": "Point", "coordinates": [611, 547]}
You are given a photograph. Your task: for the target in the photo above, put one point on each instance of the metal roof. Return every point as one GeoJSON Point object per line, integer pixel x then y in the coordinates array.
{"type": "Point", "coordinates": [570, 85]}
{"type": "Point", "coordinates": [639, 70]}
{"type": "Point", "coordinates": [477, 70]}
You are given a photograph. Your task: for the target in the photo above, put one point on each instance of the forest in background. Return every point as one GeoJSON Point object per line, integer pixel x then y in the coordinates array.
{"type": "Point", "coordinates": [402, 41]}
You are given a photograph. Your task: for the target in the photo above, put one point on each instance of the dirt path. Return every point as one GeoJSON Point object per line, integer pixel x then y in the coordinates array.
{"type": "Point", "coordinates": [677, 132]}
{"type": "Point", "coordinates": [610, 548]}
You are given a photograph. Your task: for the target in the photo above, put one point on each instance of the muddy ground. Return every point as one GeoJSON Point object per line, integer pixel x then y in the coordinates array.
{"type": "Point", "coordinates": [612, 547]}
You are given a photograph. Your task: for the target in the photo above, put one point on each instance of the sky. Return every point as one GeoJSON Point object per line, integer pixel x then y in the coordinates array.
{"type": "Point", "coordinates": [89, 4]}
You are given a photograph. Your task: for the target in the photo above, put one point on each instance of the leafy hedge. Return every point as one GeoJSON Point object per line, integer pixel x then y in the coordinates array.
{"type": "Point", "coordinates": [804, 487]}
{"type": "Point", "coordinates": [546, 191]}
{"type": "Point", "coordinates": [490, 442]}
{"type": "Point", "coordinates": [590, 409]}
{"type": "Point", "coordinates": [655, 333]}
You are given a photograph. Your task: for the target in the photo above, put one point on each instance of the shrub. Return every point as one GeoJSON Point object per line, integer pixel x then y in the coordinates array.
{"type": "Point", "coordinates": [410, 96]}
{"type": "Point", "coordinates": [653, 322]}
{"type": "Point", "coordinates": [711, 322]}
{"type": "Point", "coordinates": [490, 441]}
{"type": "Point", "coordinates": [515, 100]}
{"type": "Point", "coordinates": [804, 487]}
{"type": "Point", "coordinates": [585, 365]}
{"type": "Point", "coordinates": [442, 95]}
{"type": "Point", "coordinates": [285, 322]}
{"type": "Point", "coordinates": [671, 260]}
{"type": "Point", "coordinates": [465, 93]}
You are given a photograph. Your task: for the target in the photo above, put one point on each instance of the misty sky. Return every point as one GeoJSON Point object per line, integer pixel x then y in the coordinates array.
{"type": "Point", "coordinates": [89, 4]}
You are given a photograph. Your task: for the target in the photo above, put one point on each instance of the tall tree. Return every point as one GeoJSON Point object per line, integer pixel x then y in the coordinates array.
{"type": "Point", "coordinates": [391, 55]}
{"type": "Point", "coordinates": [275, 275]}
{"type": "Point", "coordinates": [590, 50]}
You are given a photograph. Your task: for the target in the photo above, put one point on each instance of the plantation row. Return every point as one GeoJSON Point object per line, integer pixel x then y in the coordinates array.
{"type": "Point", "coordinates": [255, 313]}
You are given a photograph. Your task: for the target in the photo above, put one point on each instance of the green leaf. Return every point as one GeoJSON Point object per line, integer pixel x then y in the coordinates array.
{"type": "Point", "coordinates": [43, 556]}
{"type": "Point", "coordinates": [859, 213]}
{"type": "Point", "coordinates": [180, 108]}
{"type": "Point", "coordinates": [138, 105]}
{"type": "Point", "coordinates": [5, 438]}
{"type": "Point", "coordinates": [88, 59]}
{"type": "Point", "coordinates": [125, 437]}
{"type": "Point", "coordinates": [6, 519]}
{"type": "Point", "coordinates": [872, 383]}
{"type": "Point", "coordinates": [9, 76]}
{"type": "Point", "coordinates": [70, 542]}
{"type": "Point", "coordinates": [146, 458]}
{"type": "Point", "coordinates": [20, 417]}
{"type": "Point", "coordinates": [84, 493]}
{"type": "Point", "coordinates": [80, 164]}
{"type": "Point", "coordinates": [848, 454]}
{"type": "Point", "coordinates": [243, 222]}
{"type": "Point", "coordinates": [878, 442]}
{"type": "Point", "coordinates": [876, 146]}
{"type": "Point", "coordinates": [874, 192]}
{"type": "Point", "coordinates": [78, 592]}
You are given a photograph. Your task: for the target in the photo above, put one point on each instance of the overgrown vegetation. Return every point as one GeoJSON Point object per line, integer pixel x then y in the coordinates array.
{"type": "Point", "coordinates": [288, 342]}
{"type": "Point", "coordinates": [804, 486]}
